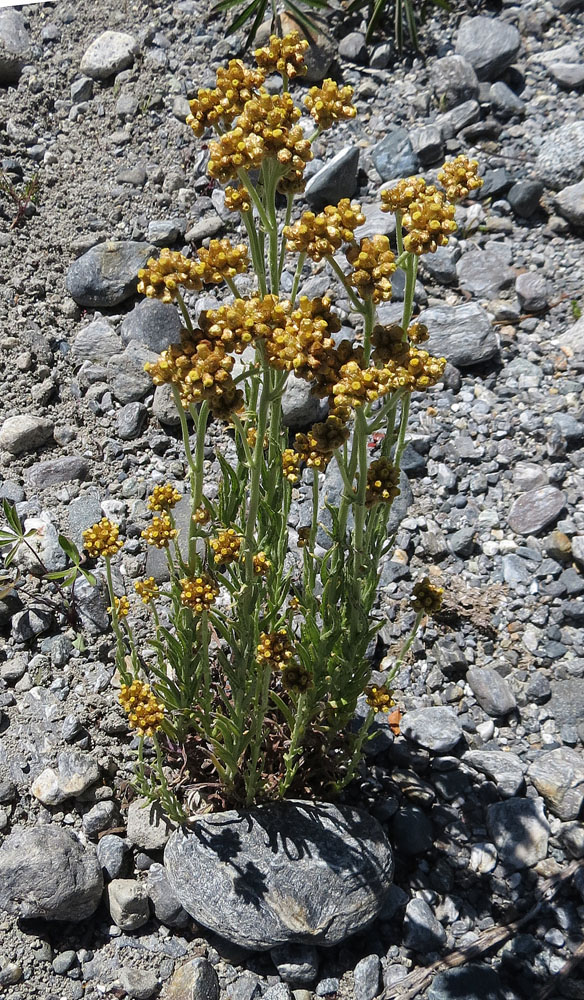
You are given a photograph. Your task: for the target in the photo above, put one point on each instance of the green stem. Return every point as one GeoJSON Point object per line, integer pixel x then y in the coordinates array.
{"type": "Point", "coordinates": [257, 257]}
{"type": "Point", "coordinates": [289, 201]}
{"type": "Point", "coordinates": [120, 647]}
{"type": "Point", "coordinates": [257, 202]}
{"type": "Point", "coordinates": [406, 647]}
{"type": "Point", "coordinates": [184, 311]}
{"type": "Point", "coordinates": [357, 304]}
{"type": "Point", "coordinates": [232, 287]}
{"type": "Point", "coordinates": [399, 236]}
{"type": "Point", "coordinates": [297, 276]}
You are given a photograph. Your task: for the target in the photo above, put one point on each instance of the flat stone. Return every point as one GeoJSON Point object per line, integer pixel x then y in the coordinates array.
{"type": "Point", "coordinates": [196, 980]}
{"type": "Point", "coordinates": [558, 776]}
{"type": "Point", "coordinates": [336, 180]}
{"type": "Point", "coordinates": [166, 906]}
{"type": "Point", "coordinates": [427, 144]}
{"type": "Point", "coordinates": [570, 204]}
{"type": "Point", "coordinates": [307, 873]}
{"type": "Point", "coordinates": [568, 75]}
{"type": "Point", "coordinates": [393, 156]}
{"type": "Point", "coordinates": [114, 856]}
{"type": "Point", "coordinates": [507, 770]}
{"type": "Point", "coordinates": [126, 376]}
{"type": "Point", "coordinates": [25, 432]}
{"type": "Point", "coordinates": [572, 337]}
{"type": "Point", "coordinates": [366, 977]}
{"type": "Point", "coordinates": [533, 290]}
{"type": "Point", "coordinates": [128, 903]}
{"type": "Point", "coordinates": [452, 122]}
{"type": "Point", "coordinates": [376, 221]}
{"type": "Point", "coordinates": [297, 964]}
{"type": "Point", "coordinates": [536, 510]}
{"type": "Point", "coordinates": [97, 342]}
{"type": "Point", "coordinates": [505, 100]}
{"type": "Point", "coordinates": [560, 161]}
{"type": "Point", "coordinates": [462, 334]}
{"type": "Point", "coordinates": [130, 420]}
{"type": "Point", "coordinates": [520, 831]}
{"type": "Point", "coordinates": [491, 690]}
{"type": "Point", "coordinates": [53, 472]}
{"type": "Point", "coordinates": [453, 81]}
{"type": "Point", "coordinates": [31, 622]}
{"type": "Point", "coordinates": [435, 728]}
{"type": "Point", "coordinates": [524, 197]}
{"type": "Point", "coordinates": [147, 825]}
{"type": "Point", "coordinates": [207, 227]}
{"type": "Point", "coordinates": [14, 45]}
{"type": "Point", "coordinates": [163, 407]}
{"type": "Point", "coordinates": [107, 274]}
{"type": "Point", "coordinates": [353, 47]}
{"type": "Point", "coordinates": [484, 272]}
{"type": "Point", "coordinates": [140, 984]}
{"type": "Point", "coordinates": [45, 873]}
{"type": "Point", "coordinates": [109, 53]}
{"type": "Point", "coordinates": [76, 772]}
{"type": "Point", "coordinates": [488, 44]}
{"type": "Point", "coordinates": [152, 323]}
{"type": "Point", "coordinates": [423, 932]}
{"type": "Point", "coordinates": [299, 407]}
{"type": "Point", "coordinates": [441, 265]}
{"type": "Point", "coordinates": [568, 53]}
{"type": "Point", "coordinates": [471, 982]}
{"type": "Point", "coordinates": [166, 232]}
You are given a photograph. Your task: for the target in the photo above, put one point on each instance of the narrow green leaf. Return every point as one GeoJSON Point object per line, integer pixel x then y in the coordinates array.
{"type": "Point", "coordinates": [70, 549]}
{"type": "Point", "coordinates": [12, 517]}
{"type": "Point", "coordinates": [247, 14]}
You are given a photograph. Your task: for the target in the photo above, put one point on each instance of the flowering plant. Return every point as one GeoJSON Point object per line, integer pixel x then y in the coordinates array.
{"type": "Point", "coordinates": [260, 654]}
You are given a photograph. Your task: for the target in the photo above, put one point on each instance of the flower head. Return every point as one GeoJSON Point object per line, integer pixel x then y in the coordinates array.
{"type": "Point", "coordinates": [379, 697]}
{"type": "Point", "coordinates": [164, 497]}
{"type": "Point", "coordinates": [261, 564]}
{"type": "Point", "coordinates": [291, 465]}
{"type": "Point", "coordinates": [202, 515]}
{"type": "Point", "coordinates": [147, 590]}
{"type": "Point", "coordinates": [275, 649]}
{"type": "Point", "coordinates": [234, 86]}
{"type": "Point", "coordinates": [459, 177]}
{"type": "Point", "coordinates": [102, 538]}
{"type": "Point", "coordinates": [162, 278]}
{"type": "Point", "coordinates": [237, 199]}
{"type": "Point", "coordinates": [373, 264]}
{"type": "Point", "coordinates": [200, 370]}
{"type": "Point", "coordinates": [145, 713]}
{"type": "Point", "coordinates": [159, 532]}
{"type": "Point", "coordinates": [330, 103]}
{"type": "Point", "coordinates": [198, 593]}
{"type": "Point", "coordinates": [427, 597]}
{"type": "Point", "coordinates": [323, 234]}
{"type": "Point", "coordinates": [283, 55]}
{"type": "Point", "coordinates": [429, 221]}
{"type": "Point", "coordinates": [222, 260]}
{"type": "Point", "coordinates": [400, 197]}
{"type": "Point", "coordinates": [382, 482]}
{"type": "Point", "coordinates": [296, 678]}
{"type": "Point", "coordinates": [226, 546]}
{"type": "Point", "coordinates": [122, 606]}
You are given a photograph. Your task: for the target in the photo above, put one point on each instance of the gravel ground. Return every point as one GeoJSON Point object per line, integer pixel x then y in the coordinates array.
{"type": "Point", "coordinates": [481, 795]}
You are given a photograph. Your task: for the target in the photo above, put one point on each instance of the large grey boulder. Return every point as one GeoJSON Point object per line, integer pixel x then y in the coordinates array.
{"type": "Point", "coordinates": [152, 323]}
{"type": "Point", "coordinates": [453, 81]}
{"type": "Point", "coordinates": [107, 274]}
{"type": "Point", "coordinates": [570, 204]}
{"type": "Point", "coordinates": [14, 45]}
{"type": "Point", "coordinates": [336, 180]}
{"type": "Point", "coordinates": [298, 872]}
{"type": "Point", "coordinates": [489, 45]}
{"type": "Point", "coordinates": [558, 776]}
{"type": "Point", "coordinates": [560, 161]}
{"type": "Point", "coordinates": [109, 53]}
{"type": "Point", "coordinates": [46, 873]}
{"type": "Point", "coordinates": [462, 334]}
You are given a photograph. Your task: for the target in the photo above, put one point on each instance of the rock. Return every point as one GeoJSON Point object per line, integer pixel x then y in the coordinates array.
{"type": "Point", "coordinates": [505, 100]}
{"type": "Point", "coordinates": [76, 772]}
{"type": "Point", "coordinates": [488, 44]}
{"type": "Point", "coordinates": [393, 156]}
{"type": "Point", "coordinates": [14, 45]}
{"type": "Point", "coordinates": [100, 817]}
{"type": "Point", "coordinates": [109, 53]}
{"type": "Point", "coordinates": [147, 825]}
{"type": "Point", "coordinates": [568, 75]}
{"type": "Point", "coordinates": [560, 161]}
{"type": "Point", "coordinates": [381, 56]}
{"type": "Point", "coordinates": [297, 964]}
{"type": "Point", "coordinates": [435, 728]}
{"type": "Point", "coordinates": [96, 342]}
{"type": "Point", "coordinates": [452, 122]}
{"type": "Point", "coordinates": [152, 323]}
{"type": "Point", "coordinates": [483, 858]}
{"type": "Point", "coordinates": [376, 221]}
{"type": "Point", "coordinates": [53, 472]}
{"type": "Point", "coordinates": [366, 977]}
{"type": "Point", "coordinates": [519, 829]}
{"type": "Point", "coordinates": [516, 570]}
{"type": "Point", "coordinates": [485, 273]}
{"type": "Point", "coordinates": [422, 931]}
{"type": "Point", "coordinates": [25, 432]}
{"type": "Point", "coordinates": [279, 991]}
{"type": "Point", "coordinates": [536, 510]}
{"type": "Point", "coordinates": [126, 376]}
{"type": "Point", "coordinates": [31, 622]}
{"type": "Point", "coordinates": [532, 291]}
{"type": "Point", "coordinates": [45, 873]}
{"type": "Point", "coordinates": [326, 987]}
{"type": "Point", "coordinates": [140, 984]}
{"type": "Point", "coordinates": [558, 776]}
{"type": "Point", "coordinates": [491, 690]}
{"type": "Point", "coordinates": [329, 882]}
{"type": "Point", "coordinates": [107, 274]}
{"type": "Point", "coordinates": [336, 180]}
{"type": "Point", "coordinates": [196, 980]}
{"type": "Point", "coordinates": [441, 265]}
{"type": "Point", "coordinates": [411, 831]}
{"type": "Point", "coordinates": [570, 204]}
{"type": "Point", "coordinates": [128, 903]}
{"type": "Point", "coordinates": [473, 982]}
{"type": "Point", "coordinates": [524, 197]}
{"type": "Point", "coordinates": [507, 770]}
{"type": "Point", "coordinates": [166, 232]}
{"type": "Point", "coordinates": [130, 420]}
{"type": "Point", "coordinates": [163, 407]}
{"type": "Point", "coordinates": [572, 337]}
{"type": "Point", "coordinates": [205, 228]}
{"type": "Point", "coordinates": [577, 549]}
{"type": "Point", "coordinates": [81, 90]}
{"type": "Point", "coordinates": [462, 334]}
{"type": "Point", "coordinates": [427, 144]}
{"type": "Point", "coordinates": [453, 81]}
{"type": "Point", "coordinates": [166, 906]}
{"type": "Point", "coordinates": [299, 407]}
{"type": "Point", "coordinates": [353, 48]}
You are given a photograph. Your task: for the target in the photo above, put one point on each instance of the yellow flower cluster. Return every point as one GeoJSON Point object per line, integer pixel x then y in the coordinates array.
{"type": "Point", "coordinates": [427, 597]}
{"type": "Point", "coordinates": [322, 235]}
{"type": "Point", "coordinates": [274, 649]}
{"type": "Point", "coordinates": [163, 278]}
{"type": "Point", "coordinates": [303, 536]}
{"type": "Point", "coordinates": [159, 532]}
{"type": "Point", "coordinates": [233, 325]}
{"type": "Point", "coordinates": [303, 343]}
{"type": "Point", "coordinates": [198, 593]}
{"type": "Point", "coordinates": [373, 264]}
{"type": "Point", "coordinates": [318, 446]}
{"type": "Point", "coordinates": [400, 197]}
{"type": "Point", "coordinates": [202, 515]}
{"type": "Point", "coordinates": [145, 713]}
{"type": "Point", "coordinates": [382, 482]}
{"type": "Point", "coordinates": [234, 151]}
{"type": "Point", "coordinates": [389, 343]}
{"type": "Point", "coordinates": [459, 177]}
{"type": "Point", "coordinates": [226, 546]}
{"type": "Point", "coordinates": [283, 55]}
{"type": "Point", "coordinates": [261, 564]}
{"type": "Point", "coordinates": [102, 539]}
{"type": "Point", "coordinates": [291, 465]}
{"type": "Point", "coordinates": [418, 333]}
{"type": "Point", "coordinates": [308, 451]}
{"type": "Point", "coordinates": [122, 606]}
{"type": "Point", "coordinates": [296, 678]}
{"type": "Point", "coordinates": [147, 590]}
{"type": "Point", "coordinates": [379, 697]}
{"type": "Point", "coordinates": [237, 199]}
{"type": "Point", "coordinates": [164, 497]}
{"type": "Point", "coordinates": [330, 103]}
{"type": "Point", "coordinates": [200, 370]}
{"type": "Point", "coordinates": [222, 260]}
{"type": "Point", "coordinates": [234, 86]}
{"type": "Point", "coordinates": [429, 221]}
{"type": "Point", "coordinates": [358, 386]}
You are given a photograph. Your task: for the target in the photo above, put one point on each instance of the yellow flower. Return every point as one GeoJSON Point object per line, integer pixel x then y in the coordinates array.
{"type": "Point", "coordinates": [429, 222]}
{"type": "Point", "coordinates": [163, 278]}
{"type": "Point", "coordinates": [400, 197]}
{"type": "Point", "coordinates": [275, 649]}
{"type": "Point", "coordinates": [330, 103]}
{"type": "Point", "coordinates": [226, 546]}
{"type": "Point", "coordinates": [200, 370]}
{"type": "Point", "coordinates": [164, 497]}
{"type": "Point", "coordinates": [234, 86]}
{"type": "Point", "coordinates": [202, 515]}
{"type": "Point", "coordinates": [379, 697]}
{"type": "Point", "coordinates": [291, 465]}
{"type": "Point", "coordinates": [382, 482]}
{"type": "Point", "coordinates": [296, 678]}
{"type": "Point", "coordinates": [198, 593]}
{"type": "Point", "coordinates": [322, 235]}
{"type": "Point", "coordinates": [102, 539]}
{"type": "Point", "coordinates": [283, 55]}
{"type": "Point", "coordinates": [237, 199]}
{"type": "Point", "coordinates": [261, 564]}
{"type": "Point", "coordinates": [459, 177]}
{"type": "Point", "coordinates": [373, 264]}
{"type": "Point", "coordinates": [145, 713]}
{"type": "Point", "coordinates": [147, 590]}
{"type": "Point", "coordinates": [159, 532]}
{"type": "Point", "coordinates": [222, 260]}
{"type": "Point", "coordinates": [122, 606]}
{"type": "Point", "coordinates": [427, 597]}
{"type": "Point", "coordinates": [303, 536]}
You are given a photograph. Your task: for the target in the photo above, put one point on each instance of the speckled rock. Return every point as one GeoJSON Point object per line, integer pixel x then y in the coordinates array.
{"type": "Point", "coordinates": [462, 334]}
{"type": "Point", "coordinates": [489, 45]}
{"type": "Point", "coordinates": [558, 776]}
{"type": "Point", "coordinates": [25, 432]}
{"type": "Point", "coordinates": [536, 510]}
{"type": "Point", "coordinates": [109, 53]}
{"type": "Point", "coordinates": [108, 273]}
{"type": "Point", "coordinates": [14, 45]}
{"type": "Point", "coordinates": [570, 204]}
{"type": "Point", "coordinates": [560, 161]}
{"type": "Point", "coordinates": [436, 728]}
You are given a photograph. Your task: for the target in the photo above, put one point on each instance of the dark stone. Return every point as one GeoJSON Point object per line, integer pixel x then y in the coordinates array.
{"type": "Point", "coordinates": [53, 472]}
{"type": "Point", "coordinates": [153, 323]}
{"type": "Point", "coordinates": [489, 45]}
{"type": "Point", "coordinates": [519, 829]}
{"type": "Point", "coordinates": [394, 157]}
{"type": "Point", "coordinates": [472, 982]}
{"type": "Point", "coordinates": [462, 334]}
{"type": "Point", "coordinates": [536, 510]}
{"type": "Point", "coordinates": [491, 690]}
{"type": "Point", "coordinates": [336, 180]}
{"type": "Point", "coordinates": [524, 197]}
{"type": "Point", "coordinates": [107, 274]}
